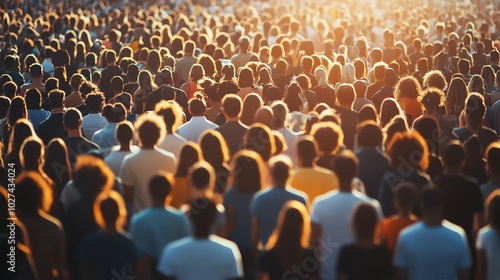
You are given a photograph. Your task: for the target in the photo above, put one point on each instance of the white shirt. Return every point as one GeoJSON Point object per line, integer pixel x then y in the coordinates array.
{"type": "Point", "coordinates": [172, 143]}
{"type": "Point", "coordinates": [432, 253]}
{"type": "Point", "coordinates": [92, 123]}
{"type": "Point", "coordinates": [488, 241]}
{"type": "Point", "coordinates": [137, 169]}
{"type": "Point", "coordinates": [214, 258]}
{"type": "Point", "coordinates": [115, 158]}
{"type": "Point", "coordinates": [291, 142]}
{"type": "Point", "coordinates": [333, 212]}
{"type": "Point", "coordinates": [192, 130]}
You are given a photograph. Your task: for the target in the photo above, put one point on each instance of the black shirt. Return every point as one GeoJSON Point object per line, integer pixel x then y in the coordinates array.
{"type": "Point", "coordinates": [78, 146]}
{"type": "Point", "coordinates": [52, 128]}
{"type": "Point", "coordinates": [349, 125]}
{"type": "Point", "coordinates": [364, 263]}
{"type": "Point", "coordinates": [164, 92]}
{"type": "Point", "coordinates": [324, 95]}
{"type": "Point", "coordinates": [105, 84]}
{"type": "Point", "coordinates": [270, 263]}
{"type": "Point", "coordinates": [233, 133]}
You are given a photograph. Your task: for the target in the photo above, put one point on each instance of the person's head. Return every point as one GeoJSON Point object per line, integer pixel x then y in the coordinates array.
{"type": "Point", "coordinates": [493, 158]}
{"type": "Point", "coordinates": [75, 81]}
{"type": "Point", "coordinates": [329, 137]}
{"type": "Point", "coordinates": [56, 163]}
{"type": "Point", "coordinates": [160, 187]}
{"type": "Point", "coordinates": [453, 156]}
{"type": "Point", "coordinates": [72, 119]}
{"type": "Point", "coordinates": [36, 71]}
{"type": "Point", "coordinates": [307, 149]}
{"type": "Point", "coordinates": [214, 148]}
{"type": "Point", "coordinates": [360, 67]}
{"type": "Point", "coordinates": [335, 74]}
{"type": "Point", "coordinates": [196, 73]}
{"type": "Point", "coordinates": [231, 106]}
{"type": "Point", "coordinates": [456, 96]}
{"type": "Point", "coordinates": [251, 104]}
{"type": "Point", "coordinates": [4, 106]}
{"type": "Point", "coordinates": [110, 57]}
{"type": "Point", "coordinates": [432, 99]}
{"type": "Point", "coordinates": [245, 77]}
{"type": "Point", "coordinates": [364, 221]}
{"type": "Point", "coordinates": [117, 84]}
{"type": "Point", "coordinates": [247, 172]}
{"type": "Point", "coordinates": [407, 87]}
{"type": "Point", "coordinates": [91, 176]}
{"type": "Point", "coordinates": [201, 178]}
{"type": "Point", "coordinates": [33, 99]}
{"type": "Point", "coordinates": [292, 232]}
{"type": "Point", "coordinates": [345, 166]}
{"type": "Point", "coordinates": [10, 89]}
{"type": "Point", "coordinates": [475, 109]}
{"type": "Point", "coordinates": [259, 138]}
{"type": "Point", "coordinates": [463, 66]}
{"type": "Point", "coordinates": [94, 101]}
{"type": "Point", "coordinates": [493, 204]}
{"type": "Point", "coordinates": [90, 59]}
{"type": "Point", "coordinates": [153, 62]}
{"type": "Point", "coordinates": [244, 44]}
{"type": "Point", "coordinates": [124, 133]}
{"type": "Point", "coordinates": [33, 194]}
{"type": "Point", "coordinates": [17, 110]}
{"type": "Point", "coordinates": [368, 113]}
{"type": "Point", "coordinates": [56, 99]}
{"type": "Point", "coordinates": [202, 214]}
{"type": "Point", "coordinates": [431, 203]}
{"type": "Point", "coordinates": [408, 150]}
{"type": "Point", "coordinates": [280, 170]}
{"type": "Point", "coordinates": [405, 197]}
{"type": "Point", "coordinates": [171, 113]}
{"type": "Point", "coordinates": [292, 98]}
{"type": "Point", "coordinates": [110, 211]}
{"type": "Point", "coordinates": [388, 110]}
{"type": "Point", "coordinates": [189, 154]}
{"type": "Point", "coordinates": [379, 70]}
{"type": "Point", "coordinates": [21, 130]}
{"type": "Point", "coordinates": [390, 77]}
{"type": "Point", "coordinates": [197, 105]}
{"type": "Point", "coordinates": [436, 79]}
{"type": "Point", "coordinates": [370, 135]}
{"type": "Point", "coordinates": [150, 129]}
{"type": "Point", "coordinates": [346, 95]}
{"type": "Point", "coordinates": [32, 154]}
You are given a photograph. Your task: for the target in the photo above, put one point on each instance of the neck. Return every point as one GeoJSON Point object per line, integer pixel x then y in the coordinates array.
{"type": "Point", "coordinates": [232, 119]}
{"type": "Point", "coordinates": [473, 126]}
{"type": "Point", "coordinates": [147, 147]}
{"type": "Point", "coordinates": [405, 214]}
{"type": "Point", "coordinates": [452, 171]}
{"type": "Point", "coordinates": [124, 147]}
{"type": "Point", "coordinates": [110, 229]}
{"type": "Point", "coordinates": [432, 221]}
{"type": "Point", "coordinates": [346, 106]}
{"type": "Point", "coordinates": [74, 133]}
{"type": "Point", "coordinates": [365, 242]}
{"type": "Point", "coordinates": [158, 204]}
{"type": "Point", "coordinates": [279, 186]}
{"type": "Point", "coordinates": [57, 111]}
{"type": "Point", "coordinates": [345, 186]}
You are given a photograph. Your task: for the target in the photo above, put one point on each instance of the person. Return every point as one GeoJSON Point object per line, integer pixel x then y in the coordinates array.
{"type": "Point", "coordinates": [279, 124]}
{"type": "Point", "coordinates": [244, 54]}
{"type": "Point", "coordinates": [474, 112]}
{"type": "Point", "coordinates": [329, 137]}
{"type": "Point", "coordinates": [75, 98]}
{"type": "Point", "coordinates": [189, 154]}
{"type": "Point", "coordinates": [493, 159]}
{"type": "Point", "coordinates": [120, 254]}
{"type": "Point", "coordinates": [364, 258]}
{"type": "Point", "coordinates": [34, 199]}
{"type": "Point", "coordinates": [196, 75]}
{"type": "Point", "coordinates": [308, 177]}
{"type": "Point", "coordinates": [93, 121]}
{"type": "Point", "coordinates": [332, 212]}
{"type": "Point", "coordinates": [267, 203]}
{"type": "Point", "coordinates": [325, 92]}
{"type": "Point", "coordinates": [248, 178]}
{"type": "Point", "coordinates": [463, 201]}
{"type": "Point", "coordinates": [56, 165]}
{"type": "Point", "coordinates": [184, 64]}
{"type": "Point", "coordinates": [348, 117]}
{"type": "Point", "coordinates": [407, 93]}
{"type": "Point", "coordinates": [369, 142]}
{"type": "Point", "coordinates": [36, 114]}
{"type": "Point", "coordinates": [53, 127]}
{"type": "Point", "coordinates": [166, 91]}
{"type": "Point", "coordinates": [424, 250]}
{"type": "Point", "coordinates": [405, 197]}
{"type": "Point", "coordinates": [108, 73]}
{"type": "Point", "coordinates": [379, 72]}
{"type": "Point", "coordinates": [114, 114]}
{"type": "Point", "coordinates": [138, 168]}
{"type": "Point", "coordinates": [408, 153]}
{"type": "Point", "coordinates": [488, 241]}
{"type": "Point", "coordinates": [259, 138]}
{"type": "Point", "coordinates": [288, 246]}
{"type": "Point", "coordinates": [146, 86]}
{"type": "Point", "coordinates": [192, 129]}
{"type": "Point", "coordinates": [201, 255]}
{"type": "Point", "coordinates": [22, 130]}
{"type": "Point", "coordinates": [159, 225]}
{"type": "Point", "coordinates": [387, 90]}
{"type": "Point", "coordinates": [75, 141]}
{"type": "Point", "coordinates": [124, 137]}
{"type": "Point", "coordinates": [16, 111]}
{"type": "Point", "coordinates": [233, 130]}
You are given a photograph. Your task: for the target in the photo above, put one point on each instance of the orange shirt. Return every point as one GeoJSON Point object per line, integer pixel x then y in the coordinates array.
{"type": "Point", "coordinates": [180, 193]}
{"type": "Point", "coordinates": [411, 106]}
{"type": "Point", "coordinates": [390, 228]}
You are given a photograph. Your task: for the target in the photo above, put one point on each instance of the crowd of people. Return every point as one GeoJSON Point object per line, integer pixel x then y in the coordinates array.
{"type": "Point", "coordinates": [249, 140]}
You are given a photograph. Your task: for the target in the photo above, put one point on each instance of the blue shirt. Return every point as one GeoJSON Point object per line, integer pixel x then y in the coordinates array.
{"type": "Point", "coordinates": [266, 206]}
{"type": "Point", "coordinates": [241, 233]}
{"type": "Point", "coordinates": [105, 137]}
{"type": "Point", "coordinates": [372, 166]}
{"type": "Point", "coordinates": [154, 228]}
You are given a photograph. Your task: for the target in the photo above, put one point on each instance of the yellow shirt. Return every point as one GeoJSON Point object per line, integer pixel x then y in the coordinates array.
{"type": "Point", "coordinates": [314, 181]}
{"type": "Point", "coordinates": [180, 193]}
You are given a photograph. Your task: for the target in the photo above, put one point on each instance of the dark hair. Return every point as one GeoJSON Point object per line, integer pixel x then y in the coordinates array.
{"type": "Point", "coordinates": [388, 110]}
{"type": "Point", "coordinates": [10, 89]}
{"type": "Point", "coordinates": [160, 185]}
{"type": "Point", "coordinates": [475, 107]}
{"type": "Point", "coordinates": [150, 128]}
{"type": "Point", "coordinates": [406, 195]}
{"type": "Point", "coordinates": [493, 157]}
{"type": "Point", "coordinates": [280, 170]}
{"type": "Point", "coordinates": [329, 137]}
{"type": "Point", "coordinates": [92, 176]}
{"type": "Point", "coordinates": [408, 148]}
{"type": "Point", "coordinates": [251, 104]}
{"type": "Point", "coordinates": [454, 154]}
{"type": "Point", "coordinates": [260, 139]}
{"type": "Point", "coordinates": [56, 164]}
{"type": "Point", "coordinates": [231, 105]}
{"type": "Point", "coordinates": [33, 99]}
{"type": "Point", "coordinates": [72, 119]}
{"type": "Point", "coordinates": [307, 149]}
{"type": "Point", "coordinates": [124, 132]}
{"type": "Point", "coordinates": [247, 172]}
{"type": "Point", "coordinates": [36, 70]}
{"type": "Point", "coordinates": [171, 114]}
{"type": "Point", "coordinates": [33, 193]}
{"type": "Point", "coordinates": [202, 176]}
{"type": "Point", "coordinates": [214, 148]}
{"type": "Point", "coordinates": [245, 78]}
{"type": "Point", "coordinates": [345, 166]}
{"type": "Point", "coordinates": [493, 203]}
{"type": "Point", "coordinates": [346, 94]}
{"type": "Point", "coordinates": [17, 111]}
{"type": "Point", "coordinates": [56, 98]}
{"type": "Point", "coordinates": [94, 101]}
{"type": "Point", "coordinates": [364, 221]}
{"type": "Point", "coordinates": [117, 84]}
{"type": "Point", "coordinates": [431, 200]}
{"type": "Point", "coordinates": [189, 154]}
{"type": "Point", "coordinates": [369, 135]}
{"type": "Point", "coordinates": [202, 214]}
{"type": "Point", "coordinates": [4, 106]}
{"type": "Point", "coordinates": [368, 113]}
{"type": "Point", "coordinates": [197, 105]}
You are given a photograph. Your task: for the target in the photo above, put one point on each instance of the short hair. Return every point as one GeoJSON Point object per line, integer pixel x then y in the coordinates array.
{"type": "Point", "coordinates": [197, 105]}
{"type": "Point", "coordinates": [346, 165]}
{"type": "Point", "coordinates": [280, 168]}
{"type": "Point", "coordinates": [36, 70]}
{"type": "Point", "coordinates": [33, 98]}
{"type": "Point", "coordinates": [90, 59]}
{"type": "Point", "coordinates": [33, 193]}
{"type": "Point", "coordinates": [329, 137]}
{"type": "Point", "coordinates": [171, 113]}
{"type": "Point", "coordinates": [431, 200]}
{"type": "Point", "coordinates": [231, 105]}
{"type": "Point", "coordinates": [160, 186]}
{"type": "Point", "coordinates": [307, 148]}
{"type": "Point", "coordinates": [72, 119]}
{"type": "Point", "coordinates": [110, 56]}
{"type": "Point", "coordinates": [379, 70]}
{"type": "Point", "coordinates": [132, 72]}
{"type": "Point", "coordinates": [432, 98]}
{"type": "Point", "coordinates": [125, 99]}
{"type": "Point", "coordinates": [406, 195]}
{"type": "Point", "coordinates": [463, 66]}
{"type": "Point", "coordinates": [91, 176]}
{"type": "Point", "coordinates": [475, 107]}
{"type": "Point", "coordinates": [409, 148]}
{"type": "Point", "coordinates": [56, 98]}
{"type": "Point", "coordinates": [454, 154]}
{"type": "Point", "coordinates": [494, 56]}
{"type": "Point", "coordinates": [370, 135]}
{"type": "Point", "coordinates": [189, 46]}
{"type": "Point", "coordinates": [364, 221]}
{"type": "Point", "coordinates": [346, 94]}
{"type": "Point", "coordinates": [94, 101]}
{"type": "Point", "coordinates": [114, 113]}
{"type": "Point", "coordinates": [10, 89]}
{"type": "Point", "coordinates": [109, 209]}
{"type": "Point", "coordinates": [87, 88]}
{"type": "Point", "coordinates": [117, 84]}
{"type": "Point", "coordinates": [202, 176]}
{"type": "Point", "coordinates": [124, 132]}
{"type": "Point", "coordinates": [76, 80]}
{"type": "Point", "coordinates": [493, 157]}
{"type": "Point", "coordinates": [150, 128]}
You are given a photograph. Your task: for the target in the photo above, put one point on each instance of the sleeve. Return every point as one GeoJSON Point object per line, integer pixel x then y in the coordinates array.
{"type": "Point", "coordinates": [478, 199]}
{"type": "Point", "coordinates": [343, 261]}
{"type": "Point", "coordinates": [315, 216]}
{"type": "Point", "coordinates": [465, 260]}
{"type": "Point", "coordinates": [165, 265]}
{"type": "Point", "coordinates": [126, 173]}
{"type": "Point", "coordinates": [385, 195]}
{"type": "Point", "coordinates": [480, 240]}
{"type": "Point", "coordinates": [236, 267]}
{"type": "Point", "coordinates": [401, 256]}
{"type": "Point", "coordinates": [254, 206]}
{"type": "Point", "coordinates": [133, 254]}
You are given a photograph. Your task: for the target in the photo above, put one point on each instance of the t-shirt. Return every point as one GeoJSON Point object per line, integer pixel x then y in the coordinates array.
{"type": "Point", "coordinates": [114, 160]}
{"type": "Point", "coordinates": [270, 263]}
{"type": "Point", "coordinates": [486, 135]}
{"type": "Point", "coordinates": [180, 193]}
{"type": "Point", "coordinates": [333, 212]}
{"type": "Point", "coordinates": [488, 241]}
{"type": "Point", "coordinates": [36, 117]}
{"type": "Point", "coordinates": [233, 133]}
{"type": "Point", "coordinates": [432, 253]}
{"type": "Point", "coordinates": [78, 146]}
{"type": "Point", "coordinates": [51, 128]}
{"type": "Point", "coordinates": [137, 169]}
{"type": "Point", "coordinates": [266, 206]}
{"type": "Point", "coordinates": [183, 67]}
{"type": "Point", "coordinates": [349, 125]}
{"type": "Point", "coordinates": [154, 228]}
{"type": "Point", "coordinates": [361, 263]}
{"type": "Point", "coordinates": [105, 84]}
{"type": "Point", "coordinates": [371, 173]}
{"type": "Point", "coordinates": [213, 258]}
{"type": "Point", "coordinates": [105, 137]}
{"type": "Point", "coordinates": [240, 202]}
{"type": "Point", "coordinates": [390, 229]}
{"type": "Point", "coordinates": [92, 123]}
{"type": "Point", "coordinates": [172, 143]}
{"type": "Point", "coordinates": [314, 181]}
{"type": "Point", "coordinates": [488, 188]}
{"type": "Point", "coordinates": [192, 130]}
{"type": "Point", "coordinates": [108, 255]}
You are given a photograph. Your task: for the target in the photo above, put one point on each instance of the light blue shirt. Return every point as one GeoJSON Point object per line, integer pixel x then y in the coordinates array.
{"type": "Point", "coordinates": [105, 137]}
{"type": "Point", "coordinates": [488, 241]}
{"type": "Point", "coordinates": [433, 253]}
{"type": "Point", "coordinates": [154, 228]}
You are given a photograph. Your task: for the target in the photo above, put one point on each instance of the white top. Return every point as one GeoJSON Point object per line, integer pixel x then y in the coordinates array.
{"type": "Point", "coordinates": [433, 253]}
{"type": "Point", "coordinates": [214, 258]}
{"type": "Point", "coordinates": [105, 137]}
{"type": "Point", "coordinates": [291, 142]}
{"type": "Point", "coordinates": [172, 143]}
{"type": "Point", "coordinates": [333, 212]}
{"type": "Point", "coordinates": [115, 158]}
{"type": "Point", "coordinates": [192, 130]}
{"type": "Point", "coordinates": [137, 169]}
{"type": "Point", "coordinates": [488, 241]}
{"type": "Point", "coordinates": [92, 123]}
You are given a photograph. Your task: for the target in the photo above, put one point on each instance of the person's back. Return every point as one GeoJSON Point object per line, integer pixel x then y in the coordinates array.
{"type": "Point", "coordinates": [75, 143]}
{"type": "Point", "coordinates": [488, 241]}
{"type": "Point", "coordinates": [192, 130]}
{"type": "Point", "coordinates": [53, 127]}
{"type": "Point", "coordinates": [93, 121]}
{"type": "Point", "coordinates": [233, 130]}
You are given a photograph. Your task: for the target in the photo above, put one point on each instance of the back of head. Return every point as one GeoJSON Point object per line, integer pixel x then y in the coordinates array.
{"type": "Point", "coordinates": [454, 154]}
{"type": "Point", "coordinates": [197, 105]}
{"type": "Point", "coordinates": [406, 195]}
{"type": "Point", "coordinates": [33, 99]}
{"type": "Point", "coordinates": [150, 128]}
{"type": "Point", "coordinates": [329, 137]}
{"type": "Point", "coordinates": [493, 157]}
{"type": "Point", "coordinates": [370, 135]}
{"type": "Point", "coordinates": [32, 193]}
{"type": "Point", "coordinates": [259, 138]}
{"type": "Point", "coordinates": [72, 119]}
{"type": "Point", "coordinates": [475, 108]}
{"type": "Point", "coordinates": [408, 150]}
{"type": "Point", "coordinates": [364, 221]}
{"type": "Point", "coordinates": [91, 176]}
{"type": "Point", "coordinates": [431, 202]}
{"type": "Point", "coordinates": [56, 98]}
{"type": "Point", "coordinates": [160, 186]}
{"type": "Point", "coordinates": [231, 105]}
{"type": "Point", "coordinates": [346, 95]}
{"type": "Point", "coordinates": [493, 203]}
{"type": "Point", "coordinates": [280, 167]}
{"type": "Point", "coordinates": [94, 101]}
{"type": "Point", "coordinates": [117, 84]}
{"type": "Point", "coordinates": [346, 167]}
{"type": "Point", "coordinates": [124, 132]}
{"type": "Point", "coordinates": [110, 210]}
{"type": "Point", "coordinates": [202, 176]}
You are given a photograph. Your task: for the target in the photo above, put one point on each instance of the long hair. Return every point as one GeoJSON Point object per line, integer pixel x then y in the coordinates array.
{"type": "Point", "coordinates": [407, 87]}
{"type": "Point", "coordinates": [251, 104]}
{"type": "Point", "coordinates": [17, 111]}
{"type": "Point", "coordinates": [189, 155]}
{"type": "Point", "coordinates": [291, 234]}
{"type": "Point", "coordinates": [455, 99]}
{"type": "Point", "coordinates": [56, 163]}
{"type": "Point", "coordinates": [247, 172]}
{"type": "Point", "coordinates": [493, 202]}
{"type": "Point", "coordinates": [214, 148]}
{"type": "Point", "coordinates": [260, 139]}
{"type": "Point", "coordinates": [22, 130]}
{"type": "Point", "coordinates": [335, 74]}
